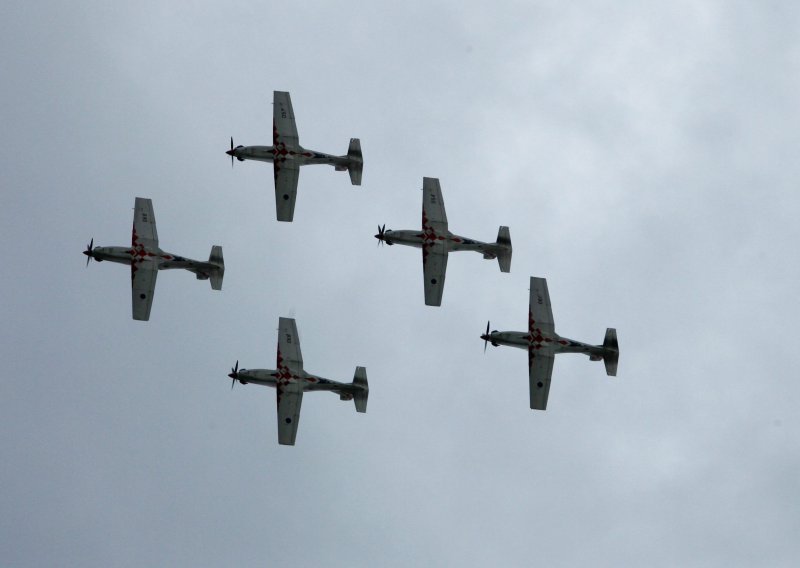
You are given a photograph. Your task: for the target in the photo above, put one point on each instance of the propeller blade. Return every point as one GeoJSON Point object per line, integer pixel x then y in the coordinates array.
{"type": "Point", "coordinates": [486, 338]}
{"type": "Point", "coordinates": [381, 236]}
{"type": "Point", "coordinates": [234, 374]}
{"type": "Point", "coordinates": [88, 251]}
{"type": "Point", "coordinates": [231, 152]}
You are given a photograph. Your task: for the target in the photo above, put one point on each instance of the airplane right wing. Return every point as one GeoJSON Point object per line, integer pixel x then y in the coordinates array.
{"type": "Point", "coordinates": [287, 173]}
{"type": "Point", "coordinates": [433, 213]}
{"type": "Point", "coordinates": [290, 397]}
{"type": "Point", "coordinates": [284, 129]}
{"type": "Point", "coordinates": [144, 224]}
{"type": "Point", "coordinates": [540, 369]}
{"type": "Point", "coordinates": [289, 346]}
{"type": "Point", "coordinates": [143, 286]}
{"type": "Point", "coordinates": [540, 313]}
{"type": "Point", "coordinates": [434, 267]}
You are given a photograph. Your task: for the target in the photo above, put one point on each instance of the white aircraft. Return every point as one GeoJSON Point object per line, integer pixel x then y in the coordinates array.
{"type": "Point", "coordinates": [436, 241]}
{"type": "Point", "coordinates": [146, 259]}
{"type": "Point", "coordinates": [287, 156]}
{"type": "Point", "coordinates": [543, 343]}
{"type": "Point", "coordinates": [291, 381]}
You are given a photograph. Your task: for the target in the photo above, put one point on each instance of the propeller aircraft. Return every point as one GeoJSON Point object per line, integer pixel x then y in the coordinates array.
{"type": "Point", "coordinates": [287, 156]}
{"type": "Point", "coordinates": [436, 241]}
{"type": "Point", "coordinates": [543, 343]}
{"type": "Point", "coordinates": [291, 381]}
{"type": "Point", "coordinates": [146, 258]}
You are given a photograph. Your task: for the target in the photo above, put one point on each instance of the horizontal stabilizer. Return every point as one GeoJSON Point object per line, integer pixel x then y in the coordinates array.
{"type": "Point", "coordinates": [218, 273]}
{"type": "Point", "coordinates": [355, 164]}
{"type": "Point", "coordinates": [362, 391]}
{"type": "Point", "coordinates": [504, 249]}
{"type": "Point", "coordinates": [611, 352]}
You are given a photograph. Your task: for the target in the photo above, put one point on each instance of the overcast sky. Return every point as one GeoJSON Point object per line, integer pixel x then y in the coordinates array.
{"type": "Point", "coordinates": [644, 156]}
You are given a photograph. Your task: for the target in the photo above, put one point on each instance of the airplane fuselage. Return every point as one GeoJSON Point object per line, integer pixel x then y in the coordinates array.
{"type": "Point", "coordinates": [163, 260]}
{"type": "Point", "coordinates": [452, 242]}
{"type": "Point", "coordinates": [300, 155]}
{"type": "Point", "coordinates": [274, 377]}
{"type": "Point", "coordinates": [553, 344]}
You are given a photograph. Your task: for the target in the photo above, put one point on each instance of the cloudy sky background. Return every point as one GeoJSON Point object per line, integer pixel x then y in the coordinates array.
{"type": "Point", "coordinates": [645, 159]}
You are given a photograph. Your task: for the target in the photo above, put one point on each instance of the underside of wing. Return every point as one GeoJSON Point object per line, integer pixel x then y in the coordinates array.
{"type": "Point", "coordinates": [289, 346]}
{"type": "Point", "coordinates": [286, 175]}
{"type": "Point", "coordinates": [540, 369]}
{"type": "Point", "coordinates": [540, 313]}
{"type": "Point", "coordinates": [434, 267]}
{"type": "Point", "coordinates": [143, 285]}
{"type": "Point", "coordinates": [433, 213]}
{"type": "Point", "coordinates": [144, 224]}
{"type": "Point", "coordinates": [290, 397]}
{"type": "Point", "coordinates": [284, 129]}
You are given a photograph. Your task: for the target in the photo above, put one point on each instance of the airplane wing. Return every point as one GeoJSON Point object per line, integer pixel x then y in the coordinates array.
{"type": "Point", "coordinates": [286, 175]}
{"type": "Point", "coordinates": [433, 213]}
{"type": "Point", "coordinates": [144, 224]}
{"type": "Point", "coordinates": [289, 346]}
{"type": "Point", "coordinates": [143, 285]}
{"type": "Point", "coordinates": [434, 266]}
{"type": "Point", "coordinates": [284, 129]}
{"type": "Point", "coordinates": [290, 397]}
{"type": "Point", "coordinates": [540, 313]}
{"type": "Point", "coordinates": [540, 369]}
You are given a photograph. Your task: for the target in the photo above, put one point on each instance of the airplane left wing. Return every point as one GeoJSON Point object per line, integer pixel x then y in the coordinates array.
{"type": "Point", "coordinates": [286, 175]}
{"type": "Point", "coordinates": [289, 346]}
{"type": "Point", "coordinates": [284, 129]}
{"type": "Point", "coordinates": [144, 224]}
{"type": "Point", "coordinates": [290, 397]}
{"type": "Point", "coordinates": [540, 369]}
{"type": "Point", "coordinates": [143, 285]}
{"type": "Point", "coordinates": [434, 267]}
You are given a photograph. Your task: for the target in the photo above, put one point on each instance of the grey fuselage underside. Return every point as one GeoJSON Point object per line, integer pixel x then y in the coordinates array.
{"type": "Point", "coordinates": [522, 340]}
{"type": "Point", "coordinates": [301, 156]}
{"type": "Point", "coordinates": [270, 377]}
{"type": "Point", "coordinates": [452, 242]}
{"type": "Point", "coordinates": [163, 260]}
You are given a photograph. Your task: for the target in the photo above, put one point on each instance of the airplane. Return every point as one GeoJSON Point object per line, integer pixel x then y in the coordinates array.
{"type": "Point", "coordinates": [291, 381]}
{"type": "Point", "coordinates": [436, 241]}
{"type": "Point", "coordinates": [287, 156]}
{"type": "Point", "coordinates": [146, 259]}
{"type": "Point", "coordinates": [543, 343]}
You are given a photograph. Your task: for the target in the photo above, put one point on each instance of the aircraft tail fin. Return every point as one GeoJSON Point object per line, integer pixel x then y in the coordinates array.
{"type": "Point", "coordinates": [355, 164]}
{"type": "Point", "coordinates": [361, 395]}
{"type": "Point", "coordinates": [611, 352]}
{"type": "Point", "coordinates": [504, 249]}
{"type": "Point", "coordinates": [219, 272]}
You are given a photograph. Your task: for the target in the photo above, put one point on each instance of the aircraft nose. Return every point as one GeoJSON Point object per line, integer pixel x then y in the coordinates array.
{"type": "Point", "coordinates": [229, 152]}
